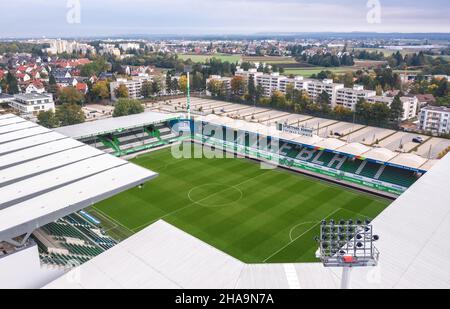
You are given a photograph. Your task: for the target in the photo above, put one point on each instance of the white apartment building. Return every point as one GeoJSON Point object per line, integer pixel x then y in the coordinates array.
{"type": "Point", "coordinates": [315, 88]}
{"type": "Point", "coordinates": [30, 104]}
{"type": "Point", "coordinates": [129, 46]}
{"type": "Point", "coordinates": [64, 46]}
{"type": "Point", "coordinates": [110, 49]}
{"type": "Point", "coordinates": [226, 82]}
{"type": "Point", "coordinates": [348, 97]}
{"type": "Point", "coordinates": [435, 119]}
{"type": "Point", "coordinates": [134, 87]}
{"type": "Point", "coordinates": [298, 82]}
{"type": "Point", "coordinates": [410, 105]}
{"type": "Point", "coordinates": [246, 74]}
{"type": "Point", "coordinates": [270, 82]}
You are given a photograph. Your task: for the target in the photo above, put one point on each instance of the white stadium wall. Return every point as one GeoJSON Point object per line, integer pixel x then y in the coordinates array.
{"type": "Point", "coordinates": [22, 270]}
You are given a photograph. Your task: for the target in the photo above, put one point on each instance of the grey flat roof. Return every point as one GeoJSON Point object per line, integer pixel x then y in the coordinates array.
{"type": "Point", "coordinates": [414, 253]}
{"type": "Point", "coordinates": [45, 175]}
{"type": "Point", "coordinates": [111, 125]}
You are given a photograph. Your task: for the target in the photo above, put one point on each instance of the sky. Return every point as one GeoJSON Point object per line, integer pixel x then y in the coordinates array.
{"type": "Point", "coordinates": [61, 18]}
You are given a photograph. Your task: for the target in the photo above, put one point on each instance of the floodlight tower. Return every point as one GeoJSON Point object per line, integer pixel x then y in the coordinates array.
{"type": "Point", "coordinates": [187, 70]}
{"type": "Point", "coordinates": [347, 244]}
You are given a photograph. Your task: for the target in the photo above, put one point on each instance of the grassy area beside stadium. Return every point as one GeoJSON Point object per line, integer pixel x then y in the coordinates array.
{"type": "Point", "coordinates": [256, 215]}
{"type": "Point", "coordinates": [204, 58]}
{"type": "Point", "coordinates": [308, 72]}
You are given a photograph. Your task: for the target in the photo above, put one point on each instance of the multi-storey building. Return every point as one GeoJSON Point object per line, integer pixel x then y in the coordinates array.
{"type": "Point", "coordinates": [270, 82]}
{"type": "Point", "coordinates": [30, 104]}
{"type": "Point", "coordinates": [316, 87]}
{"type": "Point", "coordinates": [410, 105]}
{"type": "Point", "coordinates": [225, 81]}
{"type": "Point", "coordinates": [134, 87]}
{"type": "Point", "coordinates": [435, 119]}
{"type": "Point", "coordinates": [348, 97]}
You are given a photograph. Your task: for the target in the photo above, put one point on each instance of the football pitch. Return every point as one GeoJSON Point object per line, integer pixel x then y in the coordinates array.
{"type": "Point", "coordinates": [253, 214]}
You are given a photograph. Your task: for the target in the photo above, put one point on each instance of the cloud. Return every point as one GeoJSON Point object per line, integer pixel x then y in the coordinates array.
{"type": "Point", "coordinates": [109, 17]}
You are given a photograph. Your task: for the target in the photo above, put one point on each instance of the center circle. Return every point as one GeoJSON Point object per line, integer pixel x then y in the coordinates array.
{"type": "Point", "coordinates": [215, 195]}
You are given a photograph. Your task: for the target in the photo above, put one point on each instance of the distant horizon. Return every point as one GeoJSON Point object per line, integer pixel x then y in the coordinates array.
{"type": "Point", "coordinates": [103, 18]}
{"type": "Point", "coordinates": [140, 36]}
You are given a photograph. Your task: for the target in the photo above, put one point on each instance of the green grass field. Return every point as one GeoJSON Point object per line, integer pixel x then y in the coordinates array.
{"type": "Point", "coordinates": [203, 58]}
{"type": "Point", "coordinates": [255, 215]}
{"type": "Point", "coordinates": [308, 72]}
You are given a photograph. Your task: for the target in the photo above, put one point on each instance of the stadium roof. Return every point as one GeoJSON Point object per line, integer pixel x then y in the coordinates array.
{"type": "Point", "coordinates": [46, 175]}
{"type": "Point", "coordinates": [414, 253]}
{"type": "Point", "coordinates": [407, 160]}
{"type": "Point", "coordinates": [330, 143]}
{"type": "Point", "coordinates": [111, 125]}
{"type": "Point", "coordinates": [355, 149]}
{"type": "Point", "coordinates": [380, 154]}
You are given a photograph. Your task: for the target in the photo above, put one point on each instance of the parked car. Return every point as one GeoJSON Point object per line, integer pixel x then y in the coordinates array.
{"type": "Point", "coordinates": [418, 140]}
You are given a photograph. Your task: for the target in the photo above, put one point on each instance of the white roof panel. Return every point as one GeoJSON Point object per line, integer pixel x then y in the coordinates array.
{"type": "Point", "coordinates": [29, 142]}
{"type": "Point", "coordinates": [380, 154]}
{"type": "Point", "coordinates": [6, 116]}
{"type": "Point", "coordinates": [38, 151]}
{"type": "Point", "coordinates": [10, 121]}
{"type": "Point", "coordinates": [409, 159]}
{"type": "Point", "coordinates": [16, 126]}
{"type": "Point", "coordinates": [40, 164]}
{"type": "Point", "coordinates": [109, 125]}
{"type": "Point", "coordinates": [330, 143]}
{"type": "Point", "coordinates": [355, 149]}
{"type": "Point", "coordinates": [46, 176]}
{"type": "Point", "coordinates": [4, 138]}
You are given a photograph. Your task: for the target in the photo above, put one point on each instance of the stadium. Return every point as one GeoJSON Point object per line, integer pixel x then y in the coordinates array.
{"type": "Point", "coordinates": [166, 200]}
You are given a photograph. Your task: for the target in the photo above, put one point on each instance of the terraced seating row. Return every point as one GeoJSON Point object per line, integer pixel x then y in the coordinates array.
{"type": "Point", "coordinates": [62, 260]}
{"type": "Point", "coordinates": [76, 221]}
{"type": "Point", "coordinates": [63, 230]}
{"type": "Point", "coordinates": [398, 176]}
{"type": "Point", "coordinates": [104, 242]}
{"type": "Point", "coordinates": [370, 170]}
{"type": "Point", "coordinates": [83, 250]}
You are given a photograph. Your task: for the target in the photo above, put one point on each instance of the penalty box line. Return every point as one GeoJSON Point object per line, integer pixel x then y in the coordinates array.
{"type": "Point", "coordinates": [301, 235]}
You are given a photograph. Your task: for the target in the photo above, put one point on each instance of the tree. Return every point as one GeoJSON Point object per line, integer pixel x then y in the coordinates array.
{"type": "Point", "coordinates": [238, 86]}
{"type": "Point", "coordinates": [147, 89]}
{"type": "Point", "coordinates": [324, 99]}
{"type": "Point", "coordinates": [70, 95]}
{"type": "Point", "coordinates": [121, 91]}
{"type": "Point", "coordinates": [214, 87]}
{"type": "Point", "coordinates": [362, 110]}
{"type": "Point", "coordinates": [69, 114]}
{"type": "Point", "coordinates": [156, 85]}
{"type": "Point", "coordinates": [278, 99]}
{"type": "Point", "coordinates": [12, 84]}
{"type": "Point", "coordinates": [100, 91]}
{"type": "Point", "coordinates": [168, 82]}
{"type": "Point", "coordinates": [251, 87]}
{"type": "Point", "coordinates": [125, 107]}
{"type": "Point", "coordinates": [174, 85]}
{"type": "Point", "coordinates": [182, 84]}
{"type": "Point", "coordinates": [48, 119]}
{"type": "Point", "coordinates": [379, 113]}
{"type": "Point", "coordinates": [396, 111]}
{"type": "Point", "coordinates": [52, 85]}
{"type": "Point", "coordinates": [95, 67]}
